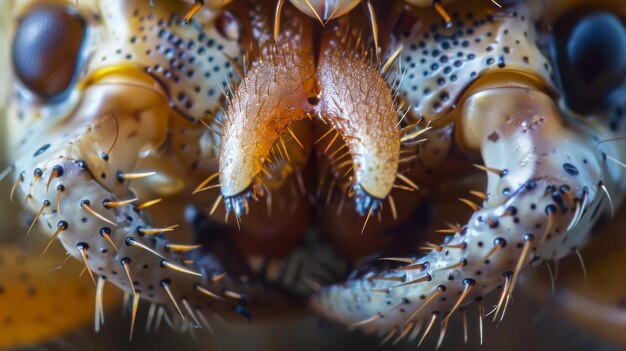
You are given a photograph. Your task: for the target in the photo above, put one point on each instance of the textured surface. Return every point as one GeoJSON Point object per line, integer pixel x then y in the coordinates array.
{"type": "Point", "coordinates": [46, 52]}
{"type": "Point", "coordinates": [122, 170]}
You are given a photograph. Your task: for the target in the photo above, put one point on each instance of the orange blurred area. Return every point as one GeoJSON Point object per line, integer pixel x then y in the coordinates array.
{"type": "Point", "coordinates": [43, 298]}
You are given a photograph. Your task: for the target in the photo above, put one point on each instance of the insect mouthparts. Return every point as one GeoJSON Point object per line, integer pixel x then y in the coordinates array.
{"type": "Point", "coordinates": [239, 203]}
{"type": "Point", "coordinates": [366, 203]}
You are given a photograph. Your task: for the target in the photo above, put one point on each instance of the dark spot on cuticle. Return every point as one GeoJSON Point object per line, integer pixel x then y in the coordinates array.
{"type": "Point", "coordinates": [494, 137]}
{"type": "Point", "coordinates": [570, 169]}
{"type": "Point", "coordinates": [41, 150]}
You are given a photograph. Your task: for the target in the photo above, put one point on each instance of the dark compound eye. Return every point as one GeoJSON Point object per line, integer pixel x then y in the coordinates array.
{"type": "Point", "coordinates": [590, 53]}
{"type": "Point", "coordinates": [46, 49]}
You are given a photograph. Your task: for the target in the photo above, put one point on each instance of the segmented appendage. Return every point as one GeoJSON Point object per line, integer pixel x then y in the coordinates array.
{"type": "Point", "coordinates": [97, 169]}
{"type": "Point", "coordinates": [121, 137]}
{"type": "Point", "coordinates": [270, 98]}
{"type": "Point", "coordinates": [548, 178]}
{"type": "Point", "coordinates": [357, 103]}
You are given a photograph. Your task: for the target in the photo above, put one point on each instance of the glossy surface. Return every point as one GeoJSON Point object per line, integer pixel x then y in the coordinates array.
{"type": "Point", "coordinates": [180, 169]}
{"type": "Point", "coordinates": [47, 49]}
{"type": "Point", "coordinates": [590, 47]}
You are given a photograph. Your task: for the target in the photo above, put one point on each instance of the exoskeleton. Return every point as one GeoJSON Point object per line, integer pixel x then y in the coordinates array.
{"type": "Point", "coordinates": [234, 160]}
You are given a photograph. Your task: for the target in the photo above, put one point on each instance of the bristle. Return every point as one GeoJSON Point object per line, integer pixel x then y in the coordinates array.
{"type": "Point", "coordinates": [82, 249]}
{"type": "Point", "coordinates": [389, 278]}
{"type": "Point", "coordinates": [551, 213]}
{"type": "Point", "coordinates": [412, 267]}
{"type": "Point", "coordinates": [150, 317]}
{"type": "Point", "coordinates": [442, 12]}
{"type": "Point", "coordinates": [165, 284]}
{"type": "Point", "coordinates": [504, 295]}
{"type": "Point", "coordinates": [167, 264]}
{"type": "Point", "coordinates": [369, 213]}
{"type": "Point", "coordinates": [99, 310]}
{"type": "Point", "coordinates": [295, 137]}
{"type": "Point", "coordinates": [407, 181]}
{"type": "Point", "coordinates": [469, 284]}
{"type": "Point", "coordinates": [61, 226]}
{"type": "Point", "coordinates": [375, 317]}
{"type": "Point", "coordinates": [390, 334]}
{"type": "Point", "coordinates": [464, 319]}
{"type": "Point", "coordinates": [106, 234]}
{"type": "Point", "coordinates": [392, 206]}
{"type": "Point", "coordinates": [197, 5]}
{"type": "Point", "coordinates": [416, 330]}
{"type": "Point", "coordinates": [582, 265]}
{"type": "Point", "coordinates": [332, 14]}
{"type": "Point", "coordinates": [440, 290]}
{"type": "Point", "coordinates": [233, 294]}
{"type": "Point", "coordinates": [579, 211]}
{"type": "Point", "coordinates": [6, 172]}
{"type": "Point", "coordinates": [45, 205]}
{"type": "Point", "coordinates": [216, 278]}
{"type": "Point", "coordinates": [499, 243]}
{"type": "Point", "coordinates": [113, 204]}
{"type": "Point", "coordinates": [17, 183]}
{"type": "Point", "coordinates": [204, 321]}
{"type": "Point", "coordinates": [156, 231]}
{"type": "Point", "coordinates": [479, 194]}
{"type": "Point", "coordinates": [332, 141]}
{"type": "Point", "coordinates": [398, 259]}
{"type": "Point", "coordinates": [125, 262]}
{"type": "Point", "coordinates": [208, 293]}
{"type": "Point", "coordinates": [469, 203]}
{"type": "Point", "coordinates": [308, 3]}
{"type": "Point", "coordinates": [57, 171]}
{"type": "Point", "coordinates": [498, 172]}
{"type": "Point", "coordinates": [330, 130]}
{"type": "Point", "coordinates": [86, 206]}
{"type": "Point", "coordinates": [191, 313]}
{"type": "Point", "coordinates": [606, 192]}
{"type": "Point", "coordinates": [60, 189]}
{"type": "Point", "coordinates": [136, 175]}
{"type": "Point", "coordinates": [215, 204]}
{"type": "Point", "coordinates": [442, 333]}
{"type": "Point", "coordinates": [373, 23]}
{"type": "Point", "coordinates": [481, 313]}
{"type": "Point", "coordinates": [429, 327]}
{"type": "Point", "coordinates": [133, 317]}
{"type": "Point", "coordinates": [421, 279]}
{"type": "Point", "coordinates": [620, 163]}
{"type": "Point", "coordinates": [181, 248]}
{"type": "Point", "coordinates": [132, 242]}
{"type": "Point", "coordinates": [147, 204]}
{"type": "Point", "coordinates": [277, 18]}
{"type": "Point", "coordinates": [282, 143]}
{"type": "Point", "coordinates": [404, 333]}
{"type": "Point", "coordinates": [528, 240]}
{"type": "Point", "coordinates": [205, 182]}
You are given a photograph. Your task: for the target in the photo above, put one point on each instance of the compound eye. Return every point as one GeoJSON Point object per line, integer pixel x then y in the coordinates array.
{"type": "Point", "coordinates": [46, 49]}
{"type": "Point", "coordinates": [590, 53]}
{"type": "Point", "coordinates": [325, 9]}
